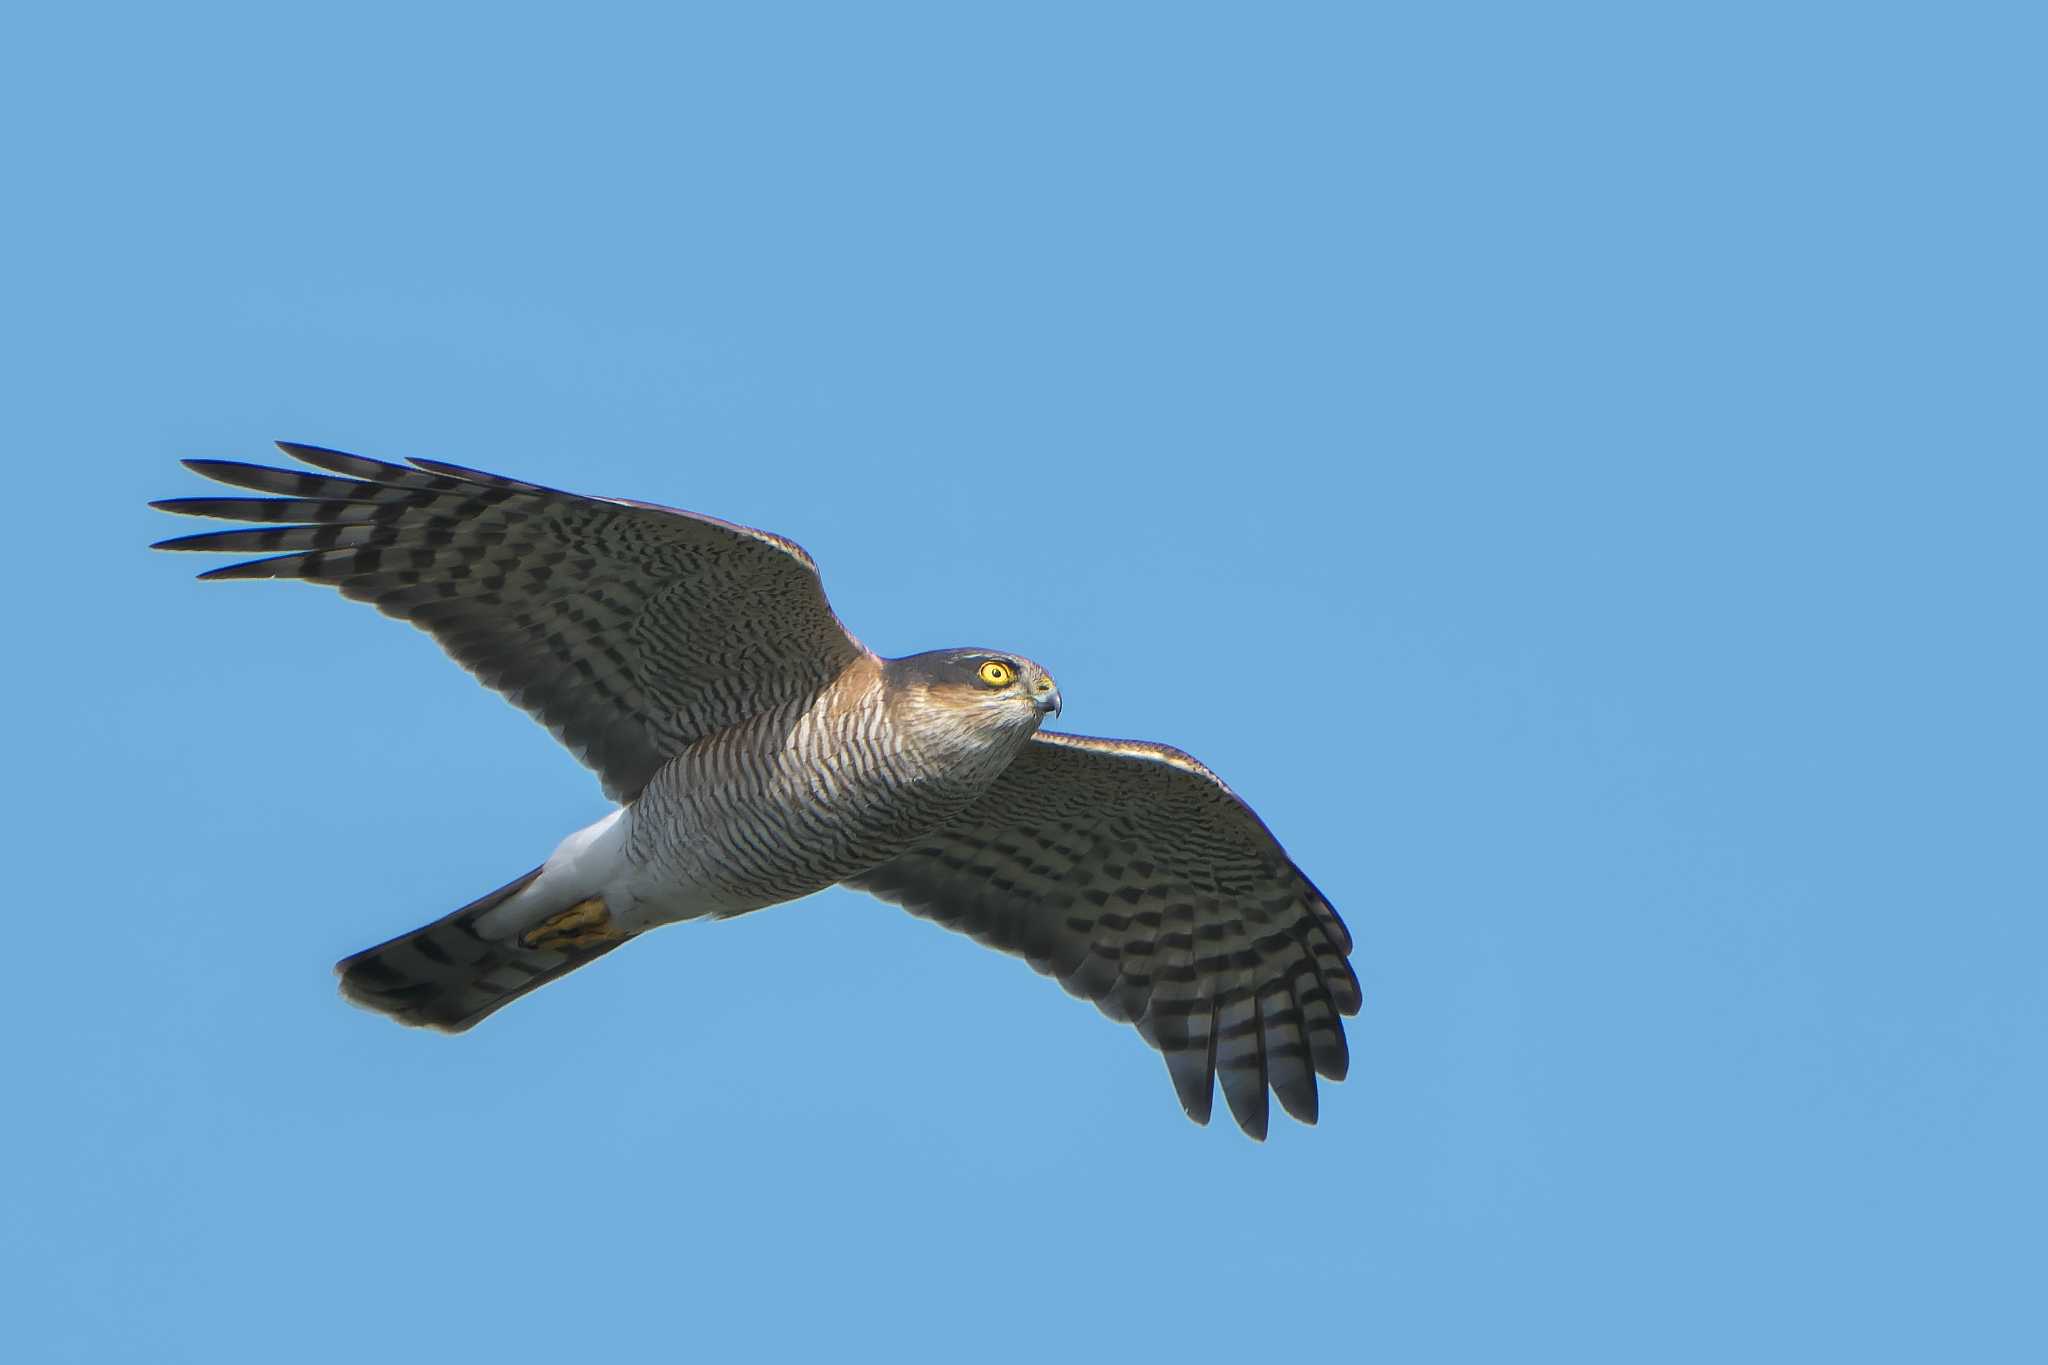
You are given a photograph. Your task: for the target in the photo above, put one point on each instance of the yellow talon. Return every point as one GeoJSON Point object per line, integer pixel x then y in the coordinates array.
{"type": "Point", "coordinates": [585, 924]}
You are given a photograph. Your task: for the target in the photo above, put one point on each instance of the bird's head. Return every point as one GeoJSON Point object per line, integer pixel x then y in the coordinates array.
{"type": "Point", "coordinates": [990, 691]}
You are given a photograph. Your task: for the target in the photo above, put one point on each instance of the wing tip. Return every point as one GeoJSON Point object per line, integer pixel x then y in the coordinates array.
{"type": "Point", "coordinates": [248, 568]}
{"type": "Point", "coordinates": [299, 450]}
{"type": "Point", "coordinates": [1303, 1107]}
{"type": "Point", "coordinates": [446, 470]}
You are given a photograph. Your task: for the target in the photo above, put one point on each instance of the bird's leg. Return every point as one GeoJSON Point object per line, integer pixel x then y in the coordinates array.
{"type": "Point", "coordinates": [585, 924]}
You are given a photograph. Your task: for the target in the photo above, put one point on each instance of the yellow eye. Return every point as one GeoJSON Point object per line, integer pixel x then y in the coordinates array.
{"type": "Point", "coordinates": [996, 673]}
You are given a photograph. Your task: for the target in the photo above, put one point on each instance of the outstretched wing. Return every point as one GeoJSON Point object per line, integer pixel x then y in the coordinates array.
{"type": "Point", "coordinates": [1136, 877]}
{"type": "Point", "coordinates": [629, 630]}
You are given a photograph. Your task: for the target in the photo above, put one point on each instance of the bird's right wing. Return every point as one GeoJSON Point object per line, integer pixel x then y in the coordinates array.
{"type": "Point", "coordinates": [629, 630]}
{"type": "Point", "coordinates": [1136, 877]}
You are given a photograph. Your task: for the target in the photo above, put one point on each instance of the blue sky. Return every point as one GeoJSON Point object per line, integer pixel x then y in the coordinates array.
{"type": "Point", "coordinates": [1588, 459]}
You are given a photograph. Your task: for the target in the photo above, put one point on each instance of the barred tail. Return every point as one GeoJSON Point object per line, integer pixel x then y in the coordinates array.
{"type": "Point", "coordinates": [448, 975]}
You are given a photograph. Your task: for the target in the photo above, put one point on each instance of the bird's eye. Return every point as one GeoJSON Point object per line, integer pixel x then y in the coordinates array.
{"type": "Point", "coordinates": [996, 673]}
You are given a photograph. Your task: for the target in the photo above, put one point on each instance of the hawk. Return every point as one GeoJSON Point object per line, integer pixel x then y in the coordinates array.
{"type": "Point", "coordinates": [758, 753]}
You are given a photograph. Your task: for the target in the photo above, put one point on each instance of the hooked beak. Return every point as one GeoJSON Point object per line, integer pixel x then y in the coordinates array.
{"type": "Point", "coordinates": [1047, 698]}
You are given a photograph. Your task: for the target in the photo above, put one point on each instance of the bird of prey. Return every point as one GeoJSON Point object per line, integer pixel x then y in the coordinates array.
{"type": "Point", "coordinates": [759, 753]}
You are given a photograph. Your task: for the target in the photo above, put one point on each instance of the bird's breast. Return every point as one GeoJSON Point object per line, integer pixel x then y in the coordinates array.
{"type": "Point", "coordinates": [793, 802]}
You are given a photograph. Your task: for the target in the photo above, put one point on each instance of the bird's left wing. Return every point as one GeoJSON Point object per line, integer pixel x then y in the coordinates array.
{"type": "Point", "coordinates": [629, 630]}
{"type": "Point", "coordinates": [1136, 877]}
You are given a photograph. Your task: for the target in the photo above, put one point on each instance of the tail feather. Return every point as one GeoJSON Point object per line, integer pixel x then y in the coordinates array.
{"type": "Point", "coordinates": [447, 975]}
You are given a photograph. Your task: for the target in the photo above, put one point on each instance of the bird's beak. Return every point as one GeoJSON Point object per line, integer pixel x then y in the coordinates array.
{"type": "Point", "coordinates": [1047, 697]}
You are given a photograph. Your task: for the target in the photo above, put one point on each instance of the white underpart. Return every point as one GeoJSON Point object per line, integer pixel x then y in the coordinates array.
{"type": "Point", "coordinates": [590, 862]}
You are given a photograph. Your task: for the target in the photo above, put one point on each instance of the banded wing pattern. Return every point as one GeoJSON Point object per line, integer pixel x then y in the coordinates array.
{"type": "Point", "coordinates": [1132, 874]}
{"type": "Point", "coordinates": [629, 630]}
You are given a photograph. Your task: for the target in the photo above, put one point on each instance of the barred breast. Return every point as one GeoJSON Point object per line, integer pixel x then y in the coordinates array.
{"type": "Point", "coordinates": [799, 798]}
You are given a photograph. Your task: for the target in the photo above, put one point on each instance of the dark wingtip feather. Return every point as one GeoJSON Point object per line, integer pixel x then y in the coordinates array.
{"type": "Point", "coordinates": [341, 462]}
{"type": "Point", "coordinates": [256, 538]}
{"type": "Point", "coordinates": [1244, 1090]}
{"type": "Point", "coordinates": [1198, 1105]}
{"type": "Point", "coordinates": [248, 568]}
{"type": "Point", "coordinates": [1301, 1103]}
{"type": "Point", "coordinates": [1294, 1083]}
{"type": "Point", "coordinates": [468, 475]}
{"type": "Point", "coordinates": [1194, 1078]}
{"type": "Point", "coordinates": [1350, 997]}
{"type": "Point", "coordinates": [269, 479]}
{"type": "Point", "coordinates": [1289, 1052]}
{"type": "Point", "coordinates": [300, 450]}
{"type": "Point", "coordinates": [231, 471]}
{"type": "Point", "coordinates": [220, 509]}
{"type": "Point", "coordinates": [1254, 1124]}
{"type": "Point", "coordinates": [1333, 1060]}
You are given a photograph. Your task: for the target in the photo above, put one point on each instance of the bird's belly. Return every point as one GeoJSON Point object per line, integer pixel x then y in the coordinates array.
{"type": "Point", "coordinates": [726, 849]}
